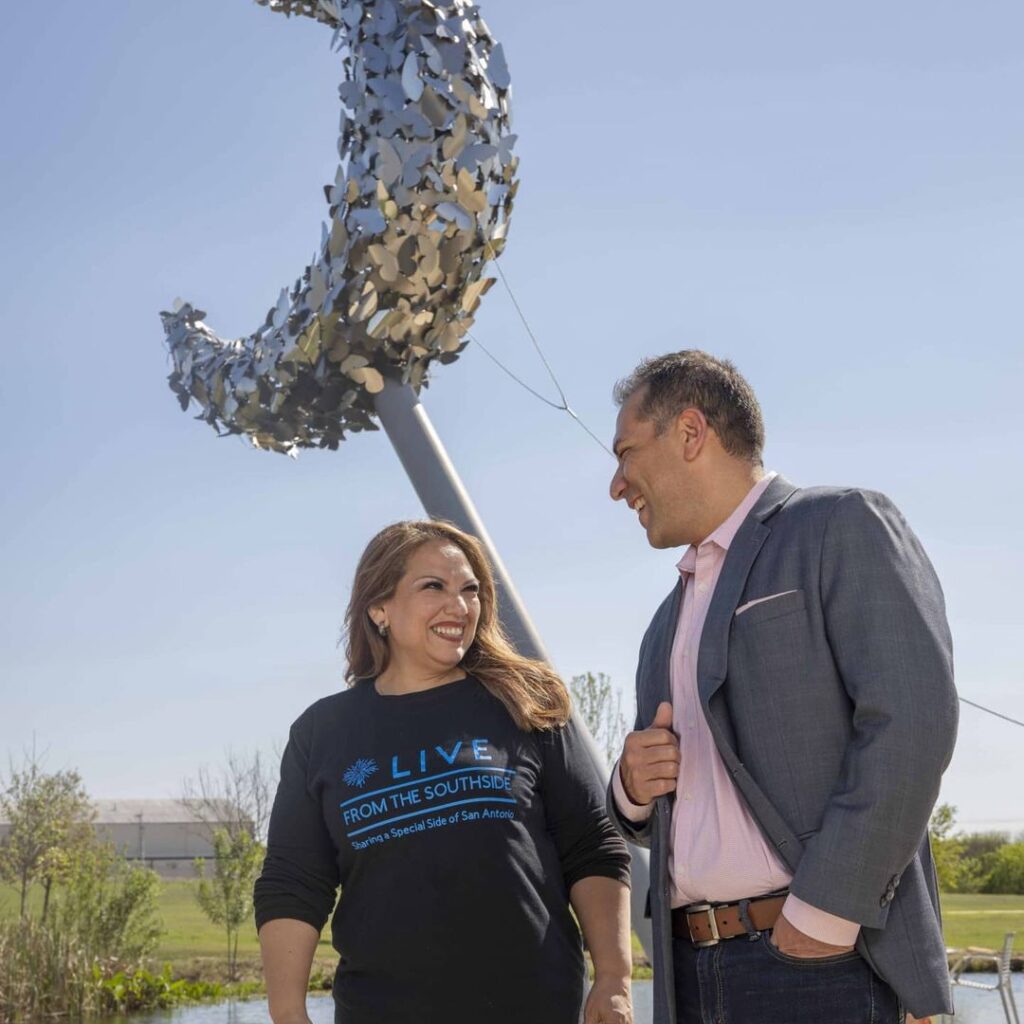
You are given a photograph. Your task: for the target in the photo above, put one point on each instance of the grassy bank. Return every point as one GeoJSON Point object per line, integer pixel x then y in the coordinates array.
{"type": "Point", "coordinates": [195, 948]}
{"type": "Point", "coordinates": [978, 920]}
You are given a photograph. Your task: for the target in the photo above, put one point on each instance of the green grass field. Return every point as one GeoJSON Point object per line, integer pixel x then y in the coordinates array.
{"type": "Point", "coordinates": [969, 921]}
{"type": "Point", "coordinates": [974, 920]}
{"type": "Point", "coordinates": [188, 933]}
{"type": "Point", "coordinates": [190, 943]}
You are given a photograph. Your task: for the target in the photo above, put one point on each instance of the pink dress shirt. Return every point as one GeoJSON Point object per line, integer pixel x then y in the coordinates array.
{"type": "Point", "coordinates": [719, 853]}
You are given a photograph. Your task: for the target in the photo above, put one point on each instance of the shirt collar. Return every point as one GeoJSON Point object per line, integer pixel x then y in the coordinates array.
{"type": "Point", "coordinates": [723, 535]}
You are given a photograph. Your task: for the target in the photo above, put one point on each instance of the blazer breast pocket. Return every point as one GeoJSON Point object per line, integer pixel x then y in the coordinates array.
{"type": "Point", "coordinates": [771, 606]}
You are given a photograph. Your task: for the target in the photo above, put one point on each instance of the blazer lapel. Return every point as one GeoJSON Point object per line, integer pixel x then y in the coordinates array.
{"type": "Point", "coordinates": [659, 680]}
{"type": "Point", "coordinates": [713, 655]}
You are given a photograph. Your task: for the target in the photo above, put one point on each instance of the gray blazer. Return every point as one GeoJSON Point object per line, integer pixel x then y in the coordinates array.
{"type": "Point", "coordinates": [834, 710]}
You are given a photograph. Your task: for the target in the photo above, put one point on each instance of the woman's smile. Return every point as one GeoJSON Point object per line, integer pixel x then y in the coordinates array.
{"type": "Point", "coordinates": [449, 631]}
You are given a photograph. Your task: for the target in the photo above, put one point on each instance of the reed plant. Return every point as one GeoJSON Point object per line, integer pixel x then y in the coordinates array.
{"type": "Point", "coordinates": [102, 923]}
{"type": "Point", "coordinates": [44, 973]}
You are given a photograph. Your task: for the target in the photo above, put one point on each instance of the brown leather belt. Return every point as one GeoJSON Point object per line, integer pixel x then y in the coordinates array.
{"type": "Point", "coordinates": [706, 924]}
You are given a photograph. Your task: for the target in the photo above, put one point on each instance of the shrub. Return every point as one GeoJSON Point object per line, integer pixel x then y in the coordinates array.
{"type": "Point", "coordinates": [979, 856]}
{"type": "Point", "coordinates": [103, 921]}
{"type": "Point", "coordinates": [1007, 874]}
{"type": "Point", "coordinates": [128, 991]}
{"type": "Point", "coordinates": [111, 907]}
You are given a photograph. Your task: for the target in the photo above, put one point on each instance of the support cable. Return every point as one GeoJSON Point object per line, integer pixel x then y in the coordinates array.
{"type": "Point", "coordinates": [564, 405]}
{"type": "Point", "coordinates": [998, 714]}
{"type": "Point", "coordinates": [522, 383]}
{"type": "Point", "coordinates": [533, 337]}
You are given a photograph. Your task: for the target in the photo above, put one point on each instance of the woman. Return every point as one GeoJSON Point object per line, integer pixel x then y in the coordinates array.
{"type": "Point", "coordinates": [452, 799]}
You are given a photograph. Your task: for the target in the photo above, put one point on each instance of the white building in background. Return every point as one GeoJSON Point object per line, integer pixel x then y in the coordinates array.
{"type": "Point", "coordinates": [165, 835]}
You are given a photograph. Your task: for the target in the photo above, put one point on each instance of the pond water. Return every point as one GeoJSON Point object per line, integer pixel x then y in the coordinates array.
{"type": "Point", "coordinates": [973, 1007]}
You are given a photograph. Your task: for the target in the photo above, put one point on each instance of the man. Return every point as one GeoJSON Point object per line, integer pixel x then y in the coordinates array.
{"type": "Point", "coordinates": [795, 711]}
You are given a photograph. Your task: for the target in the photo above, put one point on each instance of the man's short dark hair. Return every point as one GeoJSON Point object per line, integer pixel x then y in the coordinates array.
{"type": "Point", "coordinates": [694, 379]}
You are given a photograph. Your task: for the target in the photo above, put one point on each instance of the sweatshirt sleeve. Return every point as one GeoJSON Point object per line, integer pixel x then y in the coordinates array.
{"type": "Point", "coordinates": [574, 806]}
{"type": "Point", "coordinates": [300, 873]}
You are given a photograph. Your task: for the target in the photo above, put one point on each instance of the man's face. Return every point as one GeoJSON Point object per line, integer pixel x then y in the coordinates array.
{"type": "Point", "coordinates": [652, 475]}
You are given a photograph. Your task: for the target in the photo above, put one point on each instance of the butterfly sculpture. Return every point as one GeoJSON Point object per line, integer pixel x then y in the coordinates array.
{"type": "Point", "coordinates": [420, 203]}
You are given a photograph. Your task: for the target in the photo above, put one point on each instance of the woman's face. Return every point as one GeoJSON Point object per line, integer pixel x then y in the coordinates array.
{"type": "Point", "coordinates": [433, 614]}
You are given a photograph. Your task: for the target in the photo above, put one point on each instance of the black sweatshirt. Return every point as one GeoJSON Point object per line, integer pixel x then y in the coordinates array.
{"type": "Point", "coordinates": [455, 837]}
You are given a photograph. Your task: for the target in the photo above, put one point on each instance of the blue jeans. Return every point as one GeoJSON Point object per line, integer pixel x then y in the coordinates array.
{"type": "Point", "coordinates": [748, 981]}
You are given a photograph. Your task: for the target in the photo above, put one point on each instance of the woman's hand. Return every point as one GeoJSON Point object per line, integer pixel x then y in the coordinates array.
{"type": "Point", "coordinates": [609, 1001]}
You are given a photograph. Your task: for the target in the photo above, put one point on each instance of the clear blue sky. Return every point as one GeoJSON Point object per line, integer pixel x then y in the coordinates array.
{"type": "Point", "coordinates": [831, 195]}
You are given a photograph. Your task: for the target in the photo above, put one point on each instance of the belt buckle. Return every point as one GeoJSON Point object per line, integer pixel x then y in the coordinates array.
{"type": "Point", "coordinates": [706, 908]}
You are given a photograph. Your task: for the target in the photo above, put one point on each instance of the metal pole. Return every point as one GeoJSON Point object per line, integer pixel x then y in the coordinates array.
{"type": "Point", "coordinates": [443, 496]}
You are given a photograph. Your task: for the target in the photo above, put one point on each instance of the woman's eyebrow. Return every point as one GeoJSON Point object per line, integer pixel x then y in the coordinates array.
{"type": "Point", "coordinates": [443, 579]}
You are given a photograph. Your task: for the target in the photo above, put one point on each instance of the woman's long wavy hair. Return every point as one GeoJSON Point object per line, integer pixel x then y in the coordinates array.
{"type": "Point", "coordinates": [533, 693]}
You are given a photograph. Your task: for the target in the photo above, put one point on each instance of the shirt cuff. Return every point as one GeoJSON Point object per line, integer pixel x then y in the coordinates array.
{"type": "Point", "coordinates": [636, 813]}
{"type": "Point", "coordinates": [820, 924]}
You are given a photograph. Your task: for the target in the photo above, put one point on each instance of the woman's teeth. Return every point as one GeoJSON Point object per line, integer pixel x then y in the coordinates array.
{"type": "Point", "coordinates": [448, 632]}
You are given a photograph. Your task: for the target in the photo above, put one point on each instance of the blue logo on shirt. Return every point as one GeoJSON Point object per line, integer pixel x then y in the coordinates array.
{"type": "Point", "coordinates": [428, 789]}
{"type": "Point", "coordinates": [360, 771]}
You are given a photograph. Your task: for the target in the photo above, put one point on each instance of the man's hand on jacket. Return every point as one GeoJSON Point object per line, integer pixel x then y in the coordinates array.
{"type": "Point", "coordinates": [649, 765]}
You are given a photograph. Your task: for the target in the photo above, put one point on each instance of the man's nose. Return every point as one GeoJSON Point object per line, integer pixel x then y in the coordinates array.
{"type": "Point", "coordinates": [617, 488]}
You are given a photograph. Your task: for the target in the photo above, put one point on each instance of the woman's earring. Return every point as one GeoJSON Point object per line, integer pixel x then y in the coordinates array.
{"type": "Point", "coordinates": [382, 628]}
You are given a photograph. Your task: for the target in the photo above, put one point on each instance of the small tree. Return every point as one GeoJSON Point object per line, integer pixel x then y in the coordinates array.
{"type": "Point", "coordinates": [947, 849]}
{"type": "Point", "coordinates": [1007, 870]}
{"type": "Point", "coordinates": [600, 706]}
{"type": "Point", "coordinates": [109, 905]}
{"type": "Point", "coordinates": [50, 816]}
{"type": "Point", "coordinates": [226, 898]}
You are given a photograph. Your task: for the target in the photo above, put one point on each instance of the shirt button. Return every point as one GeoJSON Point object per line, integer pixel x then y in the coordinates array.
{"type": "Point", "coordinates": [702, 588]}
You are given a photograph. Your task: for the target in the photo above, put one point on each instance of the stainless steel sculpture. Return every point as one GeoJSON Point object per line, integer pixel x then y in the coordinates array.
{"type": "Point", "coordinates": [420, 202]}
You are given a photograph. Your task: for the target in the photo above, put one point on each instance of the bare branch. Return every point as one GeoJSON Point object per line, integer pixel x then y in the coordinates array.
{"type": "Point", "coordinates": [235, 798]}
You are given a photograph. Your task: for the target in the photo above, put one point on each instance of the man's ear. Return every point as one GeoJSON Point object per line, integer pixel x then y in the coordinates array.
{"type": "Point", "coordinates": [692, 428]}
